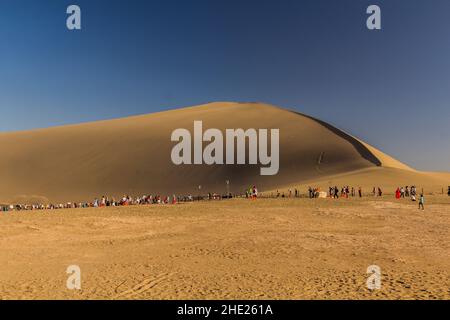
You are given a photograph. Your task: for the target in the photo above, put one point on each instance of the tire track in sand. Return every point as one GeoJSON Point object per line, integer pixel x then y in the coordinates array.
{"type": "Point", "coordinates": [144, 286]}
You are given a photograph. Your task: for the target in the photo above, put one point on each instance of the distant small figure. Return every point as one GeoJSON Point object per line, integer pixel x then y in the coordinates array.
{"type": "Point", "coordinates": [336, 193]}
{"type": "Point", "coordinates": [360, 192]}
{"type": "Point", "coordinates": [397, 193]}
{"type": "Point", "coordinates": [421, 202]}
{"type": "Point", "coordinates": [413, 193]}
{"type": "Point", "coordinates": [407, 191]}
{"type": "Point", "coordinates": [254, 193]}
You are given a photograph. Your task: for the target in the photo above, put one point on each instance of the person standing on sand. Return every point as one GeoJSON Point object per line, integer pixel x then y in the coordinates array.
{"type": "Point", "coordinates": [397, 193]}
{"type": "Point", "coordinates": [254, 193]}
{"type": "Point", "coordinates": [360, 192]}
{"type": "Point", "coordinates": [413, 193]}
{"type": "Point", "coordinates": [336, 192]}
{"type": "Point", "coordinates": [421, 202]}
{"type": "Point", "coordinates": [103, 202]}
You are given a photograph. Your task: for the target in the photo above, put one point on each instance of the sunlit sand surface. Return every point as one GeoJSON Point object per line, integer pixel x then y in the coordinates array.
{"type": "Point", "coordinates": [231, 249]}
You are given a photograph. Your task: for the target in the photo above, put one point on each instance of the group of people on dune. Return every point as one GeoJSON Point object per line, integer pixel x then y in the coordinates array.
{"type": "Point", "coordinates": [289, 194]}
{"type": "Point", "coordinates": [250, 193]}
{"type": "Point", "coordinates": [126, 200]}
{"type": "Point", "coordinates": [335, 192]}
{"type": "Point", "coordinates": [105, 201]}
{"type": "Point", "coordinates": [406, 192]}
{"type": "Point", "coordinates": [346, 191]}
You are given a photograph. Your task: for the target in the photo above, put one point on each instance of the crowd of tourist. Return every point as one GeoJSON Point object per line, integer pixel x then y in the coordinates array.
{"type": "Point", "coordinates": [343, 192]}
{"type": "Point", "coordinates": [105, 201]}
{"type": "Point", "coordinates": [127, 200]}
{"type": "Point", "coordinates": [250, 193]}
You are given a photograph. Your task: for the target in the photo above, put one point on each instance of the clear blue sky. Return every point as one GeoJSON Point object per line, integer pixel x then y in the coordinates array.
{"type": "Point", "coordinates": [389, 87]}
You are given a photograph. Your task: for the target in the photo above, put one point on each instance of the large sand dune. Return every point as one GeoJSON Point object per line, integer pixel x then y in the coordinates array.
{"type": "Point", "coordinates": [132, 156]}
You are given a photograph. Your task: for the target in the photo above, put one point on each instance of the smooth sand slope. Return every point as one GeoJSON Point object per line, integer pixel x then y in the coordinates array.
{"type": "Point", "coordinates": [132, 156]}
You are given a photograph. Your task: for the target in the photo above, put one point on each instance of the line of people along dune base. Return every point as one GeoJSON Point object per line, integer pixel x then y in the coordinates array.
{"type": "Point", "coordinates": [251, 193]}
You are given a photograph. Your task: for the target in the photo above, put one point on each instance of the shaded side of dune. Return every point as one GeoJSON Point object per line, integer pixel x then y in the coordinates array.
{"type": "Point", "coordinates": [361, 148]}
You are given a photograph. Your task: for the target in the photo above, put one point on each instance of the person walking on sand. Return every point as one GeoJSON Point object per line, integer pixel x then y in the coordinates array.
{"type": "Point", "coordinates": [421, 202]}
{"type": "Point", "coordinates": [336, 193]}
{"type": "Point", "coordinates": [360, 192]}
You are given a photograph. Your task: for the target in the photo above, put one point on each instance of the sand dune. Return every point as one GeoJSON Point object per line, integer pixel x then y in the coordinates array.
{"type": "Point", "coordinates": [132, 156]}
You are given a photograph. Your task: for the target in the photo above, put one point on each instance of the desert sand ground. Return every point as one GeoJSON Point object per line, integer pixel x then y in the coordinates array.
{"type": "Point", "coordinates": [231, 249]}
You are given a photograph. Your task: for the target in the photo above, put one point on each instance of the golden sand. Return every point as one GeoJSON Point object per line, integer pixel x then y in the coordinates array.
{"type": "Point", "coordinates": [231, 249]}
